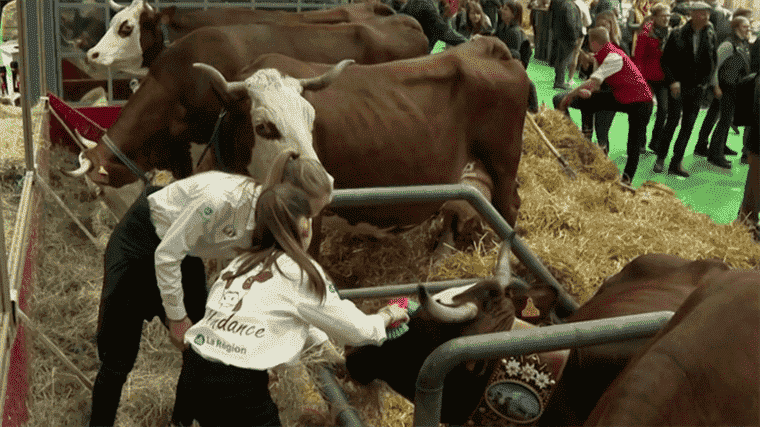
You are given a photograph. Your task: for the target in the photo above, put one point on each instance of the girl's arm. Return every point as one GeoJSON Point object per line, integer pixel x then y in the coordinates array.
{"type": "Point", "coordinates": [343, 322]}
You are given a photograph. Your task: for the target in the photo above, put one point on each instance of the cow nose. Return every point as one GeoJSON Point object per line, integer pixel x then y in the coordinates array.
{"type": "Point", "coordinates": [95, 55]}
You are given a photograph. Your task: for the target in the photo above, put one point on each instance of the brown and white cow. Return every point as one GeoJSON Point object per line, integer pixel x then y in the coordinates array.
{"type": "Point", "coordinates": [718, 313]}
{"type": "Point", "coordinates": [139, 32]}
{"type": "Point", "coordinates": [412, 122]}
{"type": "Point", "coordinates": [175, 104]}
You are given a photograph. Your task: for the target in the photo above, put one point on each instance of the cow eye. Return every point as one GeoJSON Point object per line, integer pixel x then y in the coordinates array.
{"type": "Point", "coordinates": [267, 130]}
{"type": "Point", "coordinates": [125, 29]}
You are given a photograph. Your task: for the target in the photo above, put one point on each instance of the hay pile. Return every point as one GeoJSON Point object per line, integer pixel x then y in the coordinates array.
{"type": "Point", "coordinates": [583, 230]}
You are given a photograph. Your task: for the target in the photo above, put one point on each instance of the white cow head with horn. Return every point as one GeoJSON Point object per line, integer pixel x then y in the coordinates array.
{"type": "Point", "coordinates": [120, 46]}
{"type": "Point", "coordinates": [282, 119]}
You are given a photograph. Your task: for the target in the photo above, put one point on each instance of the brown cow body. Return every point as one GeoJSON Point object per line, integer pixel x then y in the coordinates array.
{"type": "Point", "coordinates": [416, 122]}
{"type": "Point", "coordinates": [702, 368]}
{"type": "Point", "coordinates": [175, 104]}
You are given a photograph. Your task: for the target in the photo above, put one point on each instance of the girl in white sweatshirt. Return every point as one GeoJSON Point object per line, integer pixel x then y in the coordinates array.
{"type": "Point", "coordinates": [261, 313]}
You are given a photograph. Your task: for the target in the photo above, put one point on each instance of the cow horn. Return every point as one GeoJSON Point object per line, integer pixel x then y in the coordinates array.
{"type": "Point", "coordinates": [444, 313]}
{"type": "Point", "coordinates": [90, 144]}
{"type": "Point", "coordinates": [116, 6]}
{"type": "Point", "coordinates": [85, 165]}
{"type": "Point", "coordinates": [232, 91]}
{"type": "Point", "coordinates": [320, 82]}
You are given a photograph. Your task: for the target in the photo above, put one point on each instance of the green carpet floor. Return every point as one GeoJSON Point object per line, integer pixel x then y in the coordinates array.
{"type": "Point", "coordinates": [710, 190]}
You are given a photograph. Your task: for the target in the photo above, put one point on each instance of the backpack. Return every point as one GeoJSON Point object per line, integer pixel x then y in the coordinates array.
{"type": "Point", "coordinates": [733, 69]}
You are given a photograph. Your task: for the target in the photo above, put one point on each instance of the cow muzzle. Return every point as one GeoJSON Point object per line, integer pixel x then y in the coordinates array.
{"type": "Point", "coordinates": [446, 313]}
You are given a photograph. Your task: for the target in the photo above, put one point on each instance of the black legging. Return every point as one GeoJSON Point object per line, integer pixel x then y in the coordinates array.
{"type": "Point", "coordinates": [216, 394]}
{"type": "Point", "coordinates": [130, 295]}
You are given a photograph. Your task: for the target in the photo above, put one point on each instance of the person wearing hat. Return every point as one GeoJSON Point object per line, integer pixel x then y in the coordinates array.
{"type": "Point", "coordinates": [688, 61]}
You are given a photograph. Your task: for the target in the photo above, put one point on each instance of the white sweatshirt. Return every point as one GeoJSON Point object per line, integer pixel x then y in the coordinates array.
{"type": "Point", "coordinates": [262, 319]}
{"type": "Point", "coordinates": [206, 215]}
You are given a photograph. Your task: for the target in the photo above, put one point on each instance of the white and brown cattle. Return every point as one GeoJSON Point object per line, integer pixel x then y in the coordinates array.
{"type": "Point", "coordinates": [412, 122]}
{"type": "Point", "coordinates": [139, 32]}
{"type": "Point", "coordinates": [175, 104]}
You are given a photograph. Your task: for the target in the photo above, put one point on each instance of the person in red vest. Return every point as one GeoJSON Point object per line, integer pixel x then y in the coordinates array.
{"type": "Point", "coordinates": [630, 94]}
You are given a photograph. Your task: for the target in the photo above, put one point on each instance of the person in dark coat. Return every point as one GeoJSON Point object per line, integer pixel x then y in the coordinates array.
{"type": "Point", "coordinates": [750, 207]}
{"type": "Point", "coordinates": [732, 66]}
{"type": "Point", "coordinates": [566, 30]}
{"type": "Point", "coordinates": [433, 24]}
{"type": "Point", "coordinates": [508, 30]}
{"type": "Point", "coordinates": [688, 61]}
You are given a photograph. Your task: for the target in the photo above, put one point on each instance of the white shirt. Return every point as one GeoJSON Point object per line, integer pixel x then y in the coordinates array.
{"type": "Point", "coordinates": [206, 215]}
{"type": "Point", "coordinates": [612, 63]}
{"type": "Point", "coordinates": [262, 319]}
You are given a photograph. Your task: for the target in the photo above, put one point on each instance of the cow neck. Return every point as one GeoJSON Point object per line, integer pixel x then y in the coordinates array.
{"type": "Point", "coordinates": [124, 159]}
{"type": "Point", "coordinates": [519, 387]}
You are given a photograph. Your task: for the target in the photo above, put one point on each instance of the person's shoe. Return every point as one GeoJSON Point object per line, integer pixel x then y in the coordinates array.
{"type": "Point", "coordinates": [659, 165]}
{"type": "Point", "coordinates": [721, 163]}
{"type": "Point", "coordinates": [561, 86]}
{"type": "Point", "coordinates": [642, 149]}
{"type": "Point", "coordinates": [606, 149]}
{"type": "Point", "coordinates": [744, 159]}
{"type": "Point", "coordinates": [700, 151]}
{"type": "Point", "coordinates": [652, 148]}
{"type": "Point", "coordinates": [729, 152]}
{"type": "Point", "coordinates": [625, 180]}
{"type": "Point", "coordinates": [678, 170]}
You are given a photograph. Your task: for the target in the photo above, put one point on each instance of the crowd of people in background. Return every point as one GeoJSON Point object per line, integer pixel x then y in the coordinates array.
{"type": "Point", "coordinates": [677, 58]}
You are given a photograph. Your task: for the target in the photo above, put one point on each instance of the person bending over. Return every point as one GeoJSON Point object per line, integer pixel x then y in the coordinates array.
{"type": "Point", "coordinates": [630, 94]}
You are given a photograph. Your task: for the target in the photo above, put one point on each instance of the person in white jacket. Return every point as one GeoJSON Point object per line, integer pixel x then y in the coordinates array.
{"type": "Point", "coordinates": [152, 265]}
{"type": "Point", "coordinates": [260, 314]}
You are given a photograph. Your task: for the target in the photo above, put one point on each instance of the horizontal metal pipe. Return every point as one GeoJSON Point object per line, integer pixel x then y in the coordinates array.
{"type": "Point", "coordinates": [429, 393]}
{"type": "Point", "coordinates": [358, 197]}
{"type": "Point", "coordinates": [405, 289]}
{"type": "Point", "coordinates": [346, 414]}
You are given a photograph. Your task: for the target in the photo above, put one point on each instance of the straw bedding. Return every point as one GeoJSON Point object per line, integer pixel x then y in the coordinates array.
{"type": "Point", "coordinates": [583, 230]}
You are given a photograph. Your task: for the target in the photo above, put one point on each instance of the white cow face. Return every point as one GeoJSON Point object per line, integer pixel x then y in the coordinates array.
{"type": "Point", "coordinates": [282, 119]}
{"type": "Point", "coordinates": [120, 46]}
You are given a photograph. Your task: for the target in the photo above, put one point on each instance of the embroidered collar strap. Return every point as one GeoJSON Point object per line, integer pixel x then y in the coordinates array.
{"type": "Point", "coordinates": [124, 159]}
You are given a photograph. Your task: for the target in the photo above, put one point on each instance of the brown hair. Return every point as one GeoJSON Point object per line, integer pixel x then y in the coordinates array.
{"type": "Point", "coordinates": [293, 182]}
{"type": "Point", "coordinates": [659, 7]}
{"type": "Point", "coordinates": [743, 11]}
{"type": "Point", "coordinates": [517, 12]}
{"type": "Point", "coordinates": [480, 26]}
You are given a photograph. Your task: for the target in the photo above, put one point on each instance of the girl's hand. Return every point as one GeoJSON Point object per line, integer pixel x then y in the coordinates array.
{"type": "Point", "coordinates": [177, 329]}
{"type": "Point", "coordinates": [393, 314]}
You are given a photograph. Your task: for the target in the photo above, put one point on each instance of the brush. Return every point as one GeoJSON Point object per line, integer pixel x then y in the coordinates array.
{"type": "Point", "coordinates": [396, 329]}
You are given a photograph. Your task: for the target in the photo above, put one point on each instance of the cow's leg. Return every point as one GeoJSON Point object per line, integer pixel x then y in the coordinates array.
{"type": "Point", "coordinates": [461, 221]}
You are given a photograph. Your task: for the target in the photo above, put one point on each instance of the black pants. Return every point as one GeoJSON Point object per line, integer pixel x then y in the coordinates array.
{"type": "Point", "coordinates": [216, 394]}
{"type": "Point", "coordinates": [660, 91]}
{"type": "Point", "coordinates": [638, 117]}
{"type": "Point", "coordinates": [711, 117]}
{"type": "Point", "coordinates": [687, 103]}
{"type": "Point", "coordinates": [130, 295]}
{"type": "Point", "coordinates": [719, 138]}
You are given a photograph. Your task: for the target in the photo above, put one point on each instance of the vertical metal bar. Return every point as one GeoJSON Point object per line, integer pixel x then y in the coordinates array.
{"type": "Point", "coordinates": [346, 414]}
{"type": "Point", "coordinates": [24, 78]}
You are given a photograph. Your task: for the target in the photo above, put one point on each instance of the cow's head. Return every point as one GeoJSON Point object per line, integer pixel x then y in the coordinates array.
{"type": "Point", "coordinates": [281, 119]}
{"type": "Point", "coordinates": [470, 310]}
{"type": "Point", "coordinates": [120, 46]}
